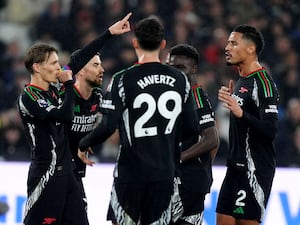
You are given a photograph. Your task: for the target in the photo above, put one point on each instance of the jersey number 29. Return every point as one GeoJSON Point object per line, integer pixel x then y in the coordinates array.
{"type": "Point", "coordinates": [152, 106]}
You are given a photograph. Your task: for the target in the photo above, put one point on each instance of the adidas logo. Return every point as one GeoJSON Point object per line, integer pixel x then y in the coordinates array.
{"type": "Point", "coordinates": [239, 210]}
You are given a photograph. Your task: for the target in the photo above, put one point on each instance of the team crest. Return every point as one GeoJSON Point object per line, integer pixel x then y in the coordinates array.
{"type": "Point", "coordinates": [243, 90]}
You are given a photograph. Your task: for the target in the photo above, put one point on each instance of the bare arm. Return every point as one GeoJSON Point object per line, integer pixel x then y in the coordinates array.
{"type": "Point", "coordinates": [209, 142]}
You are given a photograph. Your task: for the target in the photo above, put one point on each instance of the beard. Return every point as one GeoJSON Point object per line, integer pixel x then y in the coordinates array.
{"type": "Point", "coordinates": [94, 83]}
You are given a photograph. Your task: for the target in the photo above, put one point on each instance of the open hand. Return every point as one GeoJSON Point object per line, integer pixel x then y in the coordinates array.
{"type": "Point", "coordinates": [84, 156]}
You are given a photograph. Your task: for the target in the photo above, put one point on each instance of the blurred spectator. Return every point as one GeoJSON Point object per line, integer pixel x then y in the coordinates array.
{"type": "Point", "coordinates": [24, 11]}
{"type": "Point", "coordinates": [52, 23]}
{"type": "Point", "coordinates": [289, 85]}
{"type": "Point", "coordinates": [13, 146]}
{"type": "Point", "coordinates": [84, 18]}
{"type": "Point", "coordinates": [10, 62]}
{"type": "Point", "coordinates": [294, 151]}
{"type": "Point", "coordinates": [70, 24]}
{"type": "Point", "coordinates": [284, 141]}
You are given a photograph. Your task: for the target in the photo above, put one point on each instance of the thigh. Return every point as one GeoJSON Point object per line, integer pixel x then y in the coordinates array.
{"type": "Point", "coordinates": [223, 219]}
{"type": "Point", "coordinates": [45, 201]}
{"type": "Point", "coordinates": [74, 208]}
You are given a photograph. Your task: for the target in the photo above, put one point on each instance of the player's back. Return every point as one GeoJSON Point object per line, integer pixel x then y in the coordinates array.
{"type": "Point", "coordinates": [153, 97]}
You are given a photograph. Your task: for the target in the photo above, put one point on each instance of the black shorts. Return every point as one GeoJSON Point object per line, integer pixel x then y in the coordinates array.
{"type": "Point", "coordinates": [143, 203]}
{"type": "Point", "coordinates": [244, 195]}
{"type": "Point", "coordinates": [57, 201]}
{"type": "Point", "coordinates": [192, 202]}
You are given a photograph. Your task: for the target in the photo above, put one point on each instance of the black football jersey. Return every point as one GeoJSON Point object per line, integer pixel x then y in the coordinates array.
{"type": "Point", "coordinates": [44, 118]}
{"type": "Point", "coordinates": [251, 137]}
{"type": "Point", "coordinates": [154, 106]}
{"type": "Point", "coordinates": [197, 173]}
{"type": "Point", "coordinates": [86, 114]}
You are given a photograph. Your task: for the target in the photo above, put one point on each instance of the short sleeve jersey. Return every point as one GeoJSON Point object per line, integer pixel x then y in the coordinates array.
{"type": "Point", "coordinates": [47, 136]}
{"type": "Point", "coordinates": [197, 173]}
{"type": "Point", "coordinates": [250, 148]}
{"type": "Point", "coordinates": [151, 101]}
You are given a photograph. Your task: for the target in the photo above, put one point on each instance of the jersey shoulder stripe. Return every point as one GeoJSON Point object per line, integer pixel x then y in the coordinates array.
{"type": "Point", "coordinates": [265, 81]}
{"type": "Point", "coordinates": [32, 92]}
{"type": "Point", "coordinates": [197, 96]}
{"type": "Point", "coordinates": [268, 90]}
{"type": "Point", "coordinates": [76, 91]}
{"type": "Point", "coordinates": [124, 70]}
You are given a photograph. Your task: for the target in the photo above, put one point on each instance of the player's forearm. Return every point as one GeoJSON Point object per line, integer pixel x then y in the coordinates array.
{"type": "Point", "coordinates": [267, 127]}
{"type": "Point", "coordinates": [64, 113]}
{"type": "Point", "coordinates": [103, 131]}
{"type": "Point", "coordinates": [208, 142]}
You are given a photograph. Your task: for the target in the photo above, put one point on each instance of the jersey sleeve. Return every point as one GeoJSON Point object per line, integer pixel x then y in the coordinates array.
{"type": "Point", "coordinates": [86, 53]}
{"type": "Point", "coordinates": [31, 104]}
{"type": "Point", "coordinates": [204, 109]}
{"type": "Point", "coordinates": [112, 101]}
{"type": "Point", "coordinates": [266, 98]}
{"type": "Point", "coordinates": [190, 117]}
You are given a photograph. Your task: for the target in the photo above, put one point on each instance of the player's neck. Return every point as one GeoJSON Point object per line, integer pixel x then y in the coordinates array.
{"type": "Point", "coordinates": [36, 80]}
{"type": "Point", "coordinates": [247, 68]}
{"type": "Point", "coordinates": [84, 89]}
{"type": "Point", "coordinates": [147, 57]}
{"type": "Point", "coordinates": [193, 80]}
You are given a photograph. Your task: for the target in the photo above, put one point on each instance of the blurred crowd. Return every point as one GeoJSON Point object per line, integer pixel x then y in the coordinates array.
{"type": "Point", "coordinates": [70, 24]}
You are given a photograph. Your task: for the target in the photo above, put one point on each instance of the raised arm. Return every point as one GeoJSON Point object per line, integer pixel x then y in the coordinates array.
{"type": "Point", "coordinates": [88, 52]}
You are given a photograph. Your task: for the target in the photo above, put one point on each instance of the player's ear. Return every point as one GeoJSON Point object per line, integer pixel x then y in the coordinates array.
{"type": "Point", "coordinates": [36, 67]}
{"type": "Point", "coordinates": [163, 44]}
{"type": "Point", "coordinates": [251, 49]}
{"type": "Point", "coordinates": [195, 68]}
{"type": "Point", "coordinates": [135, 43]}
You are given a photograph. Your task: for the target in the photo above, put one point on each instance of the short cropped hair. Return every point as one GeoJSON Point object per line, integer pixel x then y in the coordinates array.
{"type": "Point", "coordinates": [38, 53]}
{"type": "Point", "coordinates": [149, 33]}
{"type": "Point", "coordinates": [252, 34]}
{"type": "Point", "coordinates": [185, 50]}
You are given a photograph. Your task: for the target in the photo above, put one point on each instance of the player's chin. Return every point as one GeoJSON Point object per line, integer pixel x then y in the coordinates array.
{"type": "Point", "coordinates": [56, 80]}
{"type": "Point", "coordinates": [229, 63]}
{"type": "Point", "coordinates": [96, 83]}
